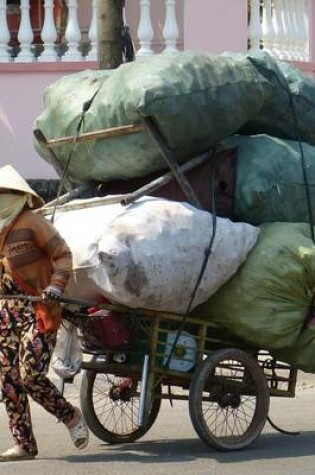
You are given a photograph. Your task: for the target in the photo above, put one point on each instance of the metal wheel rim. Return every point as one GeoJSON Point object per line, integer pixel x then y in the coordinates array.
{"type": "Point", "coordinates": [117, 416]}
{"type": "Point", "coordinates": [227, 423]}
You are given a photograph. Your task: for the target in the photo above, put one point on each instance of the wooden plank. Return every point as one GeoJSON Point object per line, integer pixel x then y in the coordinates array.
{"type": "Point", "coordinates": [82, 204]}
{"type": "Point", "coordinates": [98, 134]}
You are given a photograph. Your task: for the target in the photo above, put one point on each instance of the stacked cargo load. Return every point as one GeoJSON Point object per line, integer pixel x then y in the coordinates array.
{"type": "Point", "coordinates": [244, 122]}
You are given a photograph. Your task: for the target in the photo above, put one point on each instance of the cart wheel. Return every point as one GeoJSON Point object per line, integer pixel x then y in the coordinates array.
{"type": "Point", "coordinates": [110, 406]}
{"type": "Point", "coordinates": [228, 400]}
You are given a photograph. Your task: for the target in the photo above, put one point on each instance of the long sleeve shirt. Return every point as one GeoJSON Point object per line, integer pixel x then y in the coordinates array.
{"type": "Point", "coordinates": [36, 254]}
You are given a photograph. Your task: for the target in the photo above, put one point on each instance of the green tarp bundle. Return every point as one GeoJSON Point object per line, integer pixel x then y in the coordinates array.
{"type": "Point", "coordinates": [269, 182]}
{"type": "Point", "coordinates": [196, 100]}
{"type": "Point", "coordinates": [289, 111]}
{"type": "Point", "coordinates": [266, 303]}
{"type": "Point", "coordinates": [302, 352]}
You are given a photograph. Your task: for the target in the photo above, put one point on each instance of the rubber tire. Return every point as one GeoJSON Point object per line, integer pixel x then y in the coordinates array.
{"type": "Point", "coordinates": [196, 393]}
{"type": "Point", "coordinates": [94, 423]}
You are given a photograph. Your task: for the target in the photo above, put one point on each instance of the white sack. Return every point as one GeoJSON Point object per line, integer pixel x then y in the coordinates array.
{"type": "Point", "coordinates": [82, 229]}
{"type": "Point", "coordinates": [153, 253]}
{"type": "Point", "coordinates": [150, 253]}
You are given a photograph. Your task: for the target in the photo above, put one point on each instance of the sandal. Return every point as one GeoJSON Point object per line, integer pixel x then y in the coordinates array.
{"type": "Point", "coordinates": [78, 430]}
{"type": "Point", "coordinates": [16, 453]}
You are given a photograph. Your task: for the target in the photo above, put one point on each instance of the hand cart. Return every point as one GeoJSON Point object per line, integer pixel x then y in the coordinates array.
{"type": "Point", "coordinates": [227, 384]}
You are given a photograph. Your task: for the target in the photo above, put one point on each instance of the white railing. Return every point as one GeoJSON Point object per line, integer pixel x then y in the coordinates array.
{"type": "Point", "coordinates": [280, 27]}
{"type": "Point", "coordinates": [76, 43]}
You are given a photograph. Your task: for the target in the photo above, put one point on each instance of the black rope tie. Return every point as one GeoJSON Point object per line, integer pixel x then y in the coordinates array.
{"type": "Point", "coordinates": [207, 254]}
{"type": "Point", "coordinates": [298, 139]}
{"type": "Point", "coordinates": [85, 108]}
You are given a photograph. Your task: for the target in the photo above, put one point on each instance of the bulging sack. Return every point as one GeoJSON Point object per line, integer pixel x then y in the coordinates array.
{"type": "Point", "coordinates": [165, 87]}
{"type": "Point", "coordinates": [153, 253]}
{"type": "Point", "coordinates": [267, 302]}
{"type": "Point", "coordinates": [149, 254]}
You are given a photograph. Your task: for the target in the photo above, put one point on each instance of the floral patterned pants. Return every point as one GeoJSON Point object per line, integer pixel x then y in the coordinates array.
{"type": "Point", "coordinates": [24, 362]}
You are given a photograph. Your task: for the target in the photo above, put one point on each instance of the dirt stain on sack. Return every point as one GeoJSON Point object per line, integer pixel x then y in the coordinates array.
{"type": "Point", "coordinates": [136, 278]}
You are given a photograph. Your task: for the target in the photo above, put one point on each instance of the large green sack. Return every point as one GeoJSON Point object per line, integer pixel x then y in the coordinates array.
{"type": "Point", "coordinates": [196, 99]}
{"type": "Point", "coordinates": [266, 303]}
{"type": "Point", "coordinates": [269, 182]}
{"type": "Point", "coordinates": [302, 353]}
{"type": "Point", "coordinates": [289, 112]}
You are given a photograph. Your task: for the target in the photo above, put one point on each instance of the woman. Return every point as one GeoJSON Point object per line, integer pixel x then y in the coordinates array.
{"type": "Point", "coordinates": [34, 260]}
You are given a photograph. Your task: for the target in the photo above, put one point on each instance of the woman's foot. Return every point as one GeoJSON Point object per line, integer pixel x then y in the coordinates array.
{"type": "Point", "coordinates": [16, 453]}
{"type": "Point", "coordinates": [78, 430]}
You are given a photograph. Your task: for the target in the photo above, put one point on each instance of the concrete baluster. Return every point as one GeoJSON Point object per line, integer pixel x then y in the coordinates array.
{"type": "Point", "coordinates": [72, 34]}
{"type": "Point", "coordinates": [268, 33]}
{"type": "Point", "coordinates": [302, 9]}
{"type": "Point", "coordinates": [254, 27]}
{"type": "Point", "coordinates": [289, 39]}
{"type": "Point", "coordinates": [49, 34]}
{"type": "Point", "coordinates": [92, 55]}
{"type": "Point", "coordinates": [311, 31]}
{"type": "Point", "coordinates": [170, 30]}
{"type": "Point", "coordinates": [293, 46]}
{"type": "Point", "coordinates": [25, 35]}
{"type": "Point", "coordinates": [4, 33]}
{"type": "Point", "coordinates": [277, 21]}
{"type": "Point", "coordinates": [145, 29]}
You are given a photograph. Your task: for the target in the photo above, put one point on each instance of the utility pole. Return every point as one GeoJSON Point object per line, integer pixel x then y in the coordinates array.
{"type": "Point", "coordinates": [109, 30]}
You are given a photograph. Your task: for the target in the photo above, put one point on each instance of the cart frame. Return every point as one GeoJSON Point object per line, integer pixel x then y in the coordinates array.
{"type": "Point", "coordinates": [223, 373]}
{"type": "Point", "coordinates": [237, 371]}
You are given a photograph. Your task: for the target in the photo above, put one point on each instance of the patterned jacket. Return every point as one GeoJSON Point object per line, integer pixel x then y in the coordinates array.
{"type": "Point", "coordinates": [36, 254]}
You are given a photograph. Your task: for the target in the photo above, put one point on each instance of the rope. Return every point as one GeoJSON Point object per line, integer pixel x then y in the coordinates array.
{"type": "Point", "coordinates": [208, 251]}
{"type": "Point", "coordinates": [85, 108]}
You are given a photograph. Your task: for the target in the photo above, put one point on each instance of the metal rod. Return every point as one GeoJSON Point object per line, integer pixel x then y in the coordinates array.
{"type": "Point", "coordinates": [142, 415]}
{"type": "Point", "coordinates": [123, 199]}
{"type": "Point", "coordinates": [67, 300]}
{"type": "Point", "coordinates": [98, 134]}
{"type": "Point", "coordinates": [163, 180]}
{"type": "Point", "coordinates": [67, 196]}
{"type": "Point", "coordinates": [170, 160]}
{"type": "Point", "coordinates": [38, 298]}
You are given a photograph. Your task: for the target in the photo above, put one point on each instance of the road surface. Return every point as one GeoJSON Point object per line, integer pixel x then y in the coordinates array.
{"type": "Point", "coordinates": [172, 447]}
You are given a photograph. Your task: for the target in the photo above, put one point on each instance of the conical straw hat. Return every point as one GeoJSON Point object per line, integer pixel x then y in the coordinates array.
{"type": "Point", "coordinates": [10, 179]}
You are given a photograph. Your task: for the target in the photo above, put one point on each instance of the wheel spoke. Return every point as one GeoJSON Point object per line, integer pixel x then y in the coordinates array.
{"type": "Point", "coordinates": [113, 406]}
{"type": "Point", "coordinates": [120, 415]}
{"type": "Point", "coordinates": [228, 399]}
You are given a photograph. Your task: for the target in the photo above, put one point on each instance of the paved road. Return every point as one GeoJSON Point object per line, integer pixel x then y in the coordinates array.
{"type": "Point", "coordinates": [172, 447]}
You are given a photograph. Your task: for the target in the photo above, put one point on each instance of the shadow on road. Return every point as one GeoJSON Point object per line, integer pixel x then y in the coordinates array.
{"type": "Point", "coordinates": [267, 446]}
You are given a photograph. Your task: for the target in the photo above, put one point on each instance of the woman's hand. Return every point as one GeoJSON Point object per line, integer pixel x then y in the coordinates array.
{"type": "Point", "coordinates": [51, 293]}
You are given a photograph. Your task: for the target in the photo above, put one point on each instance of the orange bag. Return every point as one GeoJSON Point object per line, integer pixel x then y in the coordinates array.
{"type": "Point", "coordinates": [48, 316]}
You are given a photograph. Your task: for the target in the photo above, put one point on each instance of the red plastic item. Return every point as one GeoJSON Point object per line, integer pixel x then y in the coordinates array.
{"type": "Point", "coordinates": [110, 328]}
